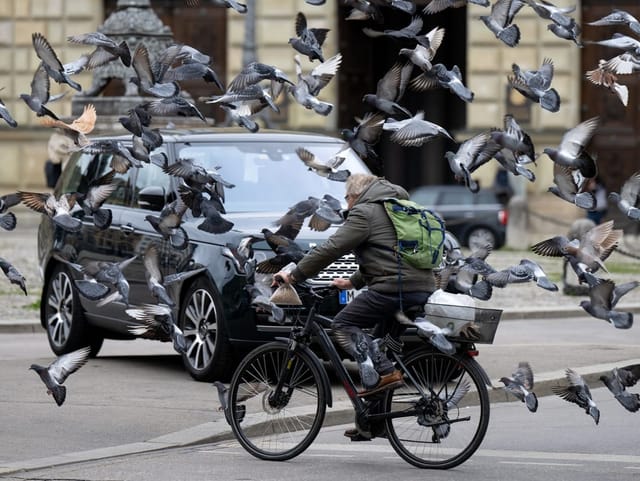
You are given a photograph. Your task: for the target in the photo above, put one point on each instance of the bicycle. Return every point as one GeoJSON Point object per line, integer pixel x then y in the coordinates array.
{"type": "Point", "coordinates": [280, 391]}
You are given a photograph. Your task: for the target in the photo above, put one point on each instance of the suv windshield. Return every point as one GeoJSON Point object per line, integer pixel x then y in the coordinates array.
{"type": "Point", "coordinates": [269, 176]}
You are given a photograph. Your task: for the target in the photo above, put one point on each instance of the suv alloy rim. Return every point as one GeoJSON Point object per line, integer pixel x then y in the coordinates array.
{"type": "Point", "coordinates": [60, 303]}
{"type": "Point", "coordinates": [200, 329]}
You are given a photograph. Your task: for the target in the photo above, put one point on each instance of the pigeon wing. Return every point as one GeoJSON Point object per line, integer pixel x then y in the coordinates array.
{"type": "Point", "coordinates": [69, 363]}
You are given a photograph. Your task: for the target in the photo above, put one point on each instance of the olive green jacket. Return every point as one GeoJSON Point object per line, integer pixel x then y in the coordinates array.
{"type": "Point", "coordinates": [366, 228]}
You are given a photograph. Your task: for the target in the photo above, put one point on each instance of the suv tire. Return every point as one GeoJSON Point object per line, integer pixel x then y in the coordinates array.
{"type": "Point", "coordinates": [64, 320]}
{"type": "Point", "coordinates": [209, 355]}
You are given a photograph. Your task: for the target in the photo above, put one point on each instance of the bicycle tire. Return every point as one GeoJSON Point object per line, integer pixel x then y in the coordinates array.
{"type": "Point", "coordinates": [439, 437]}
{"type": "Point", "coordinates": [276, 432]}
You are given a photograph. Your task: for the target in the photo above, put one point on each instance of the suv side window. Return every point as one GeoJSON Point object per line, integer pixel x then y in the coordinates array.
{"type": "Point", "coordinates": [457, 197]}
{"type": "Point", "coordinates": [151, 175]}
{"type": "Point", "coordinates": [86, 167]}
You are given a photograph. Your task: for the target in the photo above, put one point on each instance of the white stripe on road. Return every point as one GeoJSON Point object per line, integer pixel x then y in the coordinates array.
{"type": "Point", "coordinates": [528, 463]}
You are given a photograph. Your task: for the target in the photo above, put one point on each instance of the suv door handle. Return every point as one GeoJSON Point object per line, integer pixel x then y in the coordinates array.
{"type": "Point", "coordinates": [127, 229]}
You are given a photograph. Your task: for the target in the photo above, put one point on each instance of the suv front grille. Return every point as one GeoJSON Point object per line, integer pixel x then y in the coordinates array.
{"type": "Point", "coordinates": [343, 267]}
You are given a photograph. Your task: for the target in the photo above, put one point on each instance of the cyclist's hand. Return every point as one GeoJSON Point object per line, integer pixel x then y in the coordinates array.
{"type": "Point", "coordinates": [281, 277]}
{"type": "Point", "coordinates": [342, 283]}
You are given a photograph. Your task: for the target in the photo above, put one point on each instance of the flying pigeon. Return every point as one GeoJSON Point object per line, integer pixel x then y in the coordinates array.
{"type": "Point", "coordinates": [603, 298]}
{"type": "Point", "coordinates": [282, 243]}
{"type": "Point", "coordinates": [628, 200]}
{"type": "Point", "coordinates": [39, 95]}
{"type": "Point", "coordinates": [54, 375]}
{"type": "Point", "coordinates": [629, 375]}
{"type": "Point", "coordinates": [14, 276]}
{"type": "Point", "coordinates": [57, 209]}
{"type": "Point", "coordinates": [95, 195]}
{"type": "Point", "coordinates": [324, 168]}
{"type": "Point", "coordinates": [255, 72]}
{"type": "Point", "coordinates": [567, 188]}
{"type": "Point", "coordinates": [525, 271]}
{"type": "Point", "coordinates": [414, 131]}
{"type": "Point", "coordinates": [434, 334]}
{"type": "Point", "coordinates": [78, 129]}
{"type": "Point", "coordinates": [363, 137]}
{"type": "Point", "coordinates": [440, 76]}
{"type": "Point", "coordinates": [390, 89]}
{"type": "Point", "coordinates": [320, 75]}
{"type": "Point", "coordinates": [571, 151]}
{"type": "Point", "coordinates": [514, 138]}
{"type": "Point", "coordinates": [6, 115]}
{"type": "Point", "coordinates": [470, 155]}
{"type": "Point", "coordinates": [536, 85]}
{"type": "Point", "coordinates": [301, 94]}
{"type": "Point", "coordinates": [167, 224]}
{"type": "Point", "coordinates": [158, 323]}
{"type": "Point", "coordinates": [499, 22]}
{"type": "Point", "coordinates": [123, 158]}
{"type": "Point", "coordinates": [603, 76]}
{"type": "Point", "coordinates": [594, 247]}
{"type": "Point", "coordinates": [237, 6]}
{"type": "Point", "coordinates": [106, 49]}
{"type": "Point", "coordinates": [50, 61]}
{"type": "Point", "coordinates": [8, 221]}
{"type": "Point", "coordinates": [149, 77]}
{"type": "Point", "coordinates": [435, 6]}
{"type": "Point", "coordinates": [424, 51]}
{"type": "Point", "coordinates": [578, 392]}
{"type": "Point", "coordinates": [308, 41]}
{"type": "Point", "coordinates": [411, 31]}
{"type": "Point", "coordinates": [521, 385]}
{"type": "Point", "coordinates": [618, 17]}
{"type": "Point", "coordinates": [630, 401]}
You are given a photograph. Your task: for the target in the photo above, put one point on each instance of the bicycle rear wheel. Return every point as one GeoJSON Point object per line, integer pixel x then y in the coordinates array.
{"type": "Point", "coordinates": [270, 425]}
{"type": "Point", "coordinates": [449, 422]}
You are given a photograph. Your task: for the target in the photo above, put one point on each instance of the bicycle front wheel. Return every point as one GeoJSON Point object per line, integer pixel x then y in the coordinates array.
{"type": "Point", "coordinates": [277, 424]}
{"type": "Point", "coordinates": [447, 407]}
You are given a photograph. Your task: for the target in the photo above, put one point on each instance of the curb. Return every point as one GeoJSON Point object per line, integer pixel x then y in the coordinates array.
{"type": "Point", "coordinates": [341, 413]}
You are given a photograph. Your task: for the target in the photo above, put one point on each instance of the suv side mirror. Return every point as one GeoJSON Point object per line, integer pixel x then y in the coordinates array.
{"type": "Point", "coordinates": [151, 197]}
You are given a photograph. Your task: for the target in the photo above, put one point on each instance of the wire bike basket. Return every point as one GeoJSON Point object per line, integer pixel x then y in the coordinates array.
{"type": "Point", "coordinates": [467, 324]}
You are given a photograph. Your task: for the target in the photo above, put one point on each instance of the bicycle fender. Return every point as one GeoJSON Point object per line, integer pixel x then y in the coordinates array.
{"type": "Point", "coordinates": [483, 373]}
{"type": "Point", "coordinates": [313, 357]}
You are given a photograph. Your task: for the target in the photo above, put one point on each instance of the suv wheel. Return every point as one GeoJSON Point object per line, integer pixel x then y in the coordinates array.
{"type": "Point", "coordinates": [208, 356]}
{"type": "Point", "coordinates": [479, 237]}
{"type": "Point", "coordinates": [64, 320]}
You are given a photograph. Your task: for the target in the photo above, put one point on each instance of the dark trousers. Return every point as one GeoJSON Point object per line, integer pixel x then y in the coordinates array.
{"type": "Point", "coordinates": [369, 309]}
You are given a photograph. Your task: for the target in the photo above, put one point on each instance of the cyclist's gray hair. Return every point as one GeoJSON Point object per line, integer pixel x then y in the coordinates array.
{"type": "Point", "coordinates": [358, 183]}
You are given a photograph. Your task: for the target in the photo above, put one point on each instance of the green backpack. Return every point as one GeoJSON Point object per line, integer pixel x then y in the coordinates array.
{"type": "Point", "coordinates": [420, 233]}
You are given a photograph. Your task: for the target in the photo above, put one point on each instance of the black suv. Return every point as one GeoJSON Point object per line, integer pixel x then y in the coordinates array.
{"type": "Point", "coordinates": [212, 308]}
{"type": "Point", "coordinates": [476, 219]}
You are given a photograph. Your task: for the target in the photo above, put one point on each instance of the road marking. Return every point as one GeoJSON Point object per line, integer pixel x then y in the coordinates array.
{"type": "Point", "coordinates": [540, 464]}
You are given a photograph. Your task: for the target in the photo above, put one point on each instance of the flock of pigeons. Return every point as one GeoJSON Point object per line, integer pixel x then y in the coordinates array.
{"type": "Point", "coordinates": [257, 87]}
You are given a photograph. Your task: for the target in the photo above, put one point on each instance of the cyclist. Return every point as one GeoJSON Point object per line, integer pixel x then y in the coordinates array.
{"type": "Point", "coordinates": [370, 234]}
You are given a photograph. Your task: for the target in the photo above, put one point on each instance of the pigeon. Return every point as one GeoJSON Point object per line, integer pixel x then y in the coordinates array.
{"type": "Point", "coordinates": [508, 160]}
{"type": "Point", "coordinates": [8, 200]}
{"type": "Point", "coordinates": [255, 72]}
{"type": "Point", "coordinates": [326, 168]}
{"type": "Point", "coordinates": [525, 271]}
{"type": "Point", "coordinates": [39, 96]}
{"type": "Point", "coordinates": [14, 276]}
{"type": "Point", "coordinates": [521, 384]}
{"type": "Point", "coordinates": [618, 17]}
{"type": "Point", "coordinates": [240, 113]}
{"type": "Point", "coordinates": [96, 194]}
{"type": "Point", "coordinates": [630, 401]}
{"type": "Point", "coordinates": [603, 298]}
{"type": "Point", "coordinates": [167, 224]}
{"type": "Point", "coordinates": [106, 50]}
{"type": "Point", "coordinates": [578, 392]}
{"type": "Point", "coordinates": [628, 200]}
{"type": "Point", "coordinates": [568, 189]}
{"type": "Point", "coordinates": [158, 323]}
{"type": "Point", "coordinates": [54, 375]}
{"type": "Point", "coordinates": [246, 391]}
{"type": "Point", "coordinates": [57, 209]}
{"type": "Point", "coordinates": [78, 129]}
{"type": "Point", "coordinates": [172, 106]}
{"type": "Point", "coordinates": [363, 137]}
{"type": "Point", "coordinates": [411, 31]}
{"type": "Point", "coordinates": [424, 51]}
{"type": "Point", "coordinates": [254, 96]}
{"type": "Point", "coordinates": [440, 76]}
{"type": "Point", "coordinates": [320, 75]}
{"type": "Point", "coordinates": [471, 154]}
{"type": "Point", "coordinates": [213, 223]}
{"type": "Point", "coordinates": [308, 41]}
{"type": "Point", "coordinates": [50, 61]}
{"type": "Point", "coordinates": [624, 64]}
{"type": "Point", "coordinates": [435, 6]}
{"type": "Point", "coordinates": [390, 89]}
{"type": "Point", "coordinates": [415, 131]}
{"type": "Point", "coordinates": [536, 85]}
{"type": "Point", "coordinates": [606, 78]}
{"type": "Point", "coordinates": [322, 213]}
{"type": "Point", "coordinates": [155, 278]}
{"type": "Point", "coordinates": [426, 329]}
{"type": "Point", "coordinates": [149, 78]}
{"type": "Point", "coordinates": [594, 247]}
{"type": "Point", "coordinates": [262, 301]}
{"type": "Point", "coordinates": [499, 22]}
{"type": "Point", "coordinates": [6, 115]}
{"type": "Point", "coordinates": [237, 6]}
{"type": "Point", "coordinates": [571, 151]}
{"type": "Point", "coordinates": [282, 243]}
{"type": "Point", "coordinates": [622, 42]}
{"type": "Point", "coordinates": [568, 29]}
{"type": "Point", "coordinates": [363, 11]}
{"type": "Point", "coordinates": [301, 94]}
{"type": "Point", "coordinates": [514, 138]}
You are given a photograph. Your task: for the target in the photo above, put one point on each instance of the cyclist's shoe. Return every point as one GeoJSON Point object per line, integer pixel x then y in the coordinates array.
{"type": "Point", "coordinates": [356, 435]}
{"type": "Point", "coordinates": [392, 380]}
